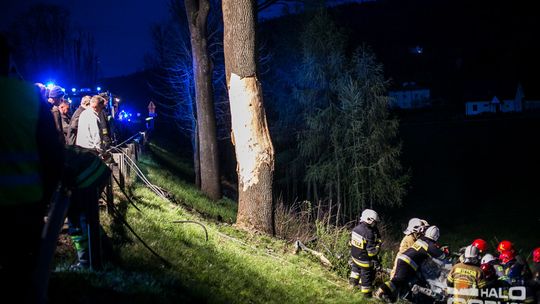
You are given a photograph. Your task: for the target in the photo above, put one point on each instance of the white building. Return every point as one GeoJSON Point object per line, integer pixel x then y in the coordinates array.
{"type": "Point", "coordinates": [410, 96]}
{"type": "Point", "coordinates": [473, 108]}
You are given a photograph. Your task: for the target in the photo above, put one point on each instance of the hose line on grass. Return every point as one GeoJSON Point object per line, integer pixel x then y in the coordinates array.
{"type": "Point", "coordinates": [118, 216]}
{"type": "Point", "coordinates": [145, 180]}
{"type": "Point", "coordinates": [125, 194]}
{"type": "Point", "coordinates": [194, 222]}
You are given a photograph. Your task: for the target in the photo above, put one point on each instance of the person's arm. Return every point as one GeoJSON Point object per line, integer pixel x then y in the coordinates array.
{"type": "Point", "coordinates": [373, 244]}
{"type": "Point", "coordinates": [435, 251]}
{"type": "Point", "coordinates": [95, 136]}
{"type": "Point", "coordinates": [450, 278]}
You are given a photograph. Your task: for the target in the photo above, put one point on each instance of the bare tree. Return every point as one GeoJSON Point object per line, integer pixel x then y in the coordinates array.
{"type": "Point", "coordinates": [197, 14]}
{"type": "Point", "coordinates": [250, 133]}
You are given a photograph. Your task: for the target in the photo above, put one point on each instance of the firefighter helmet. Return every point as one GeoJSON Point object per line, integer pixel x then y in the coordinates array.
{"type": "Point", "coordinates": [536, 255]}
{"type": "Point", "coordinates": [507, 256]}
{"type": "Point", "coordinates": [415, 226]}
{"type": "Point", "coordinates": [488, 258]}
{"type": "Point", "coordinates": [505, 246]}
{"type": "Point", "coordinates": [432, 233]}
{"type": "Point", "coordinates": [471, 254]}
{"type": "Point", "coordinates": [480, 244]}
{"type": "Point", "coordinates": [369, 216]}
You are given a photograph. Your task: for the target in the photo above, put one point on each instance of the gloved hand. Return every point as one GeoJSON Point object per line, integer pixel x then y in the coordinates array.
{"type": "Point", "coordinates": [377, 264]}
{"type": "Point", "coordinates": [445, 250]}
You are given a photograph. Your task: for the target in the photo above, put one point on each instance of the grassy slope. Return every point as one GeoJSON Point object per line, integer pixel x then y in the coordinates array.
{"type": "Point", "coordinates": [232, 267]}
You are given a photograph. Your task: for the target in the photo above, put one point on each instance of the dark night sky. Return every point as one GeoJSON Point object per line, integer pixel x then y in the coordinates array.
{"type": "Point", "coordinates": [121, 28]}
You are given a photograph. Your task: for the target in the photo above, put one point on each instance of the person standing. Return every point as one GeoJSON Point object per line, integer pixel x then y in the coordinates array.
{"type": "Point", "coordinates": [74, 122]}
{"type": "Point", "coordinates": [88, 132]}
{"type": "Point", "coordinates": [65, 117]}
{"type": "Point", "coordinates": [365, 245]}
{"type": "Point", "coordinates": [31, 159]}
{"type": "Point", "coordinates": [85, 199]}
{"type": "Point", "coordinates": [56, 96]}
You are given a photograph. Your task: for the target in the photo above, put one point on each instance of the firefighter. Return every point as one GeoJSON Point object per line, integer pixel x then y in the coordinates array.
{"type": "Point", "coordinates": [88, 175]}
{"type": "Point", "coordinates": [415, 229]}
{"type": "Point", "coordinates": [488, 265]}
{"type": "Point", "coordinates": [30, 169]}
{"type": "Point", "coordinates": [365, 245]}
{"type": "Point", "coordinates": [466, 274]}
{"type": "Point", "coordinates": [535, 281]}
{"type": "Point", "coordinates": [514, 270]}
{"type": "Point", "coordinates": [505, 246]}
{"type": "Point", "coordinates": [409, 262]}
{"type": "Point", "coordinates": [478, 243]}
{"type": "Point", "coordinates": [481, 245]}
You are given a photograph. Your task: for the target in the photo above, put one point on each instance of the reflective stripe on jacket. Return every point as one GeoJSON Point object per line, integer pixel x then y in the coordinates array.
{"type": "Point", "coordinates": [20, 175]}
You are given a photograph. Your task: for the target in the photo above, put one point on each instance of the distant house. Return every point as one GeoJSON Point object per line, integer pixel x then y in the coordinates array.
{"type": "Point", "coordinates": [494, 105]}
{"type": "Point", "coordinates": [410, 96]}
{"type": "Point", "coordinates": [531, 105]}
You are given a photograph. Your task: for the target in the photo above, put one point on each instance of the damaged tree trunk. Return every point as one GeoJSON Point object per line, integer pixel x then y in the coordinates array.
{"type": "Point", "coordinates": [250, 134]}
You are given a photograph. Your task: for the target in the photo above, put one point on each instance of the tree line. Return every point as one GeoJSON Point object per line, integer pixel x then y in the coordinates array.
{"type": "Point", "coordinates": [336, 142]}
{"type": "Point", "coordinates": [320, 132]}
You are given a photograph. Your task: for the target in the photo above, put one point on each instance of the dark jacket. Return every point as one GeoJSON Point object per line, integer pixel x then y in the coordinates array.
{"type": "Point", "coordinates": [65, 125]}
{"type": "Point", "coordinates": [57, 118]}
{"type": "Point", "coordinates": [420, 251]}
{"type": "Point", "coordinates": [365, 244]}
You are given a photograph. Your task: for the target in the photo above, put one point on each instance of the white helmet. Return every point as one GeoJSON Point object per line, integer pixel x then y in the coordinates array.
{"type": "Point", "coordinates": [415, 226]}
{"type": "Point", "coordinates": [487, 258]}
{"type": "Point", "coordinates": [471, 254]}
{"type": "Point", "coordinates": [369, 216]}
{"type": "Point", "coordinates": [432, 233]}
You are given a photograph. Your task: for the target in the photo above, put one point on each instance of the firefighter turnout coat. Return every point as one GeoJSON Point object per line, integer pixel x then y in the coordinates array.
{"type": "Point", "coordinates": [365, 244]}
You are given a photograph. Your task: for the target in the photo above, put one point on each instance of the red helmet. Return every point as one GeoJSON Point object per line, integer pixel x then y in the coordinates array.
{"type": "Point", "coordinates": [480, 244]}
{"type": "Point", "coordinates": [505, 246]}
{"type": "Point", "coordinates": [536, 255]}
{"type": "Point", "coordinates": [507, 256]}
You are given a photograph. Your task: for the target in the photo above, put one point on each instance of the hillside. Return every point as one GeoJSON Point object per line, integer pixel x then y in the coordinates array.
{"type": "Point", "coordinates": [230, 267]}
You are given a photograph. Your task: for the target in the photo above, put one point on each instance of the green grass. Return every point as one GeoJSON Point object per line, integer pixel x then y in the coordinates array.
{"type": "Point", "coordinates": [233, 266]}
{"type": "Point", "coordinates": [184, 192]}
